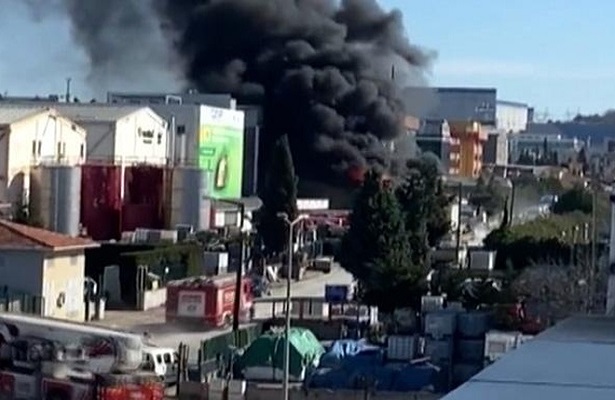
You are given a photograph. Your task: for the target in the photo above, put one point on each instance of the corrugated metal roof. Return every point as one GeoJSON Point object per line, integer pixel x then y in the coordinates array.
{"type": "Point", "coordinates": [10, 114]}
{"type": "Point", "coordinates": [96, 112]}
{"type": "Point", "coordinates": [573, 360]}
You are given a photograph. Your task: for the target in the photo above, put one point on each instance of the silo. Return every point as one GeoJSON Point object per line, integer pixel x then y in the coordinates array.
{"type": "Point", "coordinates": [189, 202]}
{"type": "Point", "coordinates": [55, 197]}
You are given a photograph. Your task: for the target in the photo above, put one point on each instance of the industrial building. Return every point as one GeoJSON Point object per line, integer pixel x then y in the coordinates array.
{"type": "Point", "coordinates": [495, 150]}
{"type": "Point", "coordinates": [45, 266]}
{"type": "Point", "coordinates": [471, 136]}
{"type": "Point", "coordinates": [120, 134]}
{"type": "Point", "coordinates": [183, 113]}
{"type": "Point", "coordinates": [511, 117]}
{"type": "Point", "coordinates": [528, 146]}
{"type": "Point", "coordinates": [434, 136]}
{"type": "Point", "coordinates": [34, 135]}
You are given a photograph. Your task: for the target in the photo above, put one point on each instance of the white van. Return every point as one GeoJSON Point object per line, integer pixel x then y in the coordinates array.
{"type": "Point", "coordinates": [163, 361]}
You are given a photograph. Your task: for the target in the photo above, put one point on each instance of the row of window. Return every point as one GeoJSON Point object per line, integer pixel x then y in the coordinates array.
{"type": "Point", "coordinates": [60, 151]}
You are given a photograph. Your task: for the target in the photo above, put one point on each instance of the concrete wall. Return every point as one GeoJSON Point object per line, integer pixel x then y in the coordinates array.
{"type": "Point", "coordinates": [153, 299]}
{"type": "Point", "coordinates": [64, 274]}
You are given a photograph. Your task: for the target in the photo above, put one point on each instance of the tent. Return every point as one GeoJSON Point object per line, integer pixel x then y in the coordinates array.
{"type": "Point", "coordinates": [264, 358]}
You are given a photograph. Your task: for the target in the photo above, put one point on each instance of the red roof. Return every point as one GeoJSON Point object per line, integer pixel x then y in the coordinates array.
{"type": "Point", "coordinates": [13, 235]}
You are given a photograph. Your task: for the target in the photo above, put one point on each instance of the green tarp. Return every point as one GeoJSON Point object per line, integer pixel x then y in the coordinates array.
{"type": "Point", "coordinates": [268, 351]}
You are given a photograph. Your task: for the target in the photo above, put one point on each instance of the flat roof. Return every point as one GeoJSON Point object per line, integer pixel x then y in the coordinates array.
{"type": "Point", "coordinates": [573, 360]}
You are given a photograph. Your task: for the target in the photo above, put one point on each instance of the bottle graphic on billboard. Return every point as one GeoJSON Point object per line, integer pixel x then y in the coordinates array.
{"type": "Point", "coordinates": [220, 150]}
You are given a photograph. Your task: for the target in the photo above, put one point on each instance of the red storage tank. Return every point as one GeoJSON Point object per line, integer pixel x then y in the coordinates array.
{"type": "Point", "coordinates": [144, 197]}
{"type": "Point", "coordinates": [101, 200]}
{"type": "Point", "coordinates": [207, 301]}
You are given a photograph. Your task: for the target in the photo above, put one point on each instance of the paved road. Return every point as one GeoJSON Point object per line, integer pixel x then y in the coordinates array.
{"type": "Point", "coordinates": [168, 335]}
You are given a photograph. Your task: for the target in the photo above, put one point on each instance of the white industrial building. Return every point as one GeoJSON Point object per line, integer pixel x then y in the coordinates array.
{"type": "Point", "coordinates": [30, 136]}
{"type": "Point", "coordinates": [121, 134]}
{"type": "Point", "coordinates": [511, 117]}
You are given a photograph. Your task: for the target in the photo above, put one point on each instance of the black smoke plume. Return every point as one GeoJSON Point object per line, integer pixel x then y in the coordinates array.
{"type": "Point", "coordinates": [322, 69]}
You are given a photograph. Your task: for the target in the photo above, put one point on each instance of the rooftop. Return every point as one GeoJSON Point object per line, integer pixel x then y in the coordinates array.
{"type": "Point", "coordinates": [17, 236]}
{"type": "Point", "coordinates": [573, 360]}
{"type": "Point", "coordinates": [96, 112]}
{"type": "Point", "coordinates": [9, 114]}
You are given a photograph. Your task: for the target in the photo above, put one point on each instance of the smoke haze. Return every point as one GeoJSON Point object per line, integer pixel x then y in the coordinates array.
{"type": "Point", "coordinates": [322, 69]}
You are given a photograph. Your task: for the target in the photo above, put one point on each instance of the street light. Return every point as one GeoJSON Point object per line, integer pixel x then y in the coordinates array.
{"type": "Point", "coordinates": [291, 226]}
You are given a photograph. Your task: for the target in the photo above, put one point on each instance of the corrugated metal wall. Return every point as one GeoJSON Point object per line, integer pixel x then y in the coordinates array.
{"type": "Point", "coordinates": [144, 197]}
{"type": "Point", "coordinates": [101, 201]}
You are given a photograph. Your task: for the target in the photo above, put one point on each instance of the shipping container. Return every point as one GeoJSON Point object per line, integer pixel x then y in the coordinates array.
{"type": "Point", "coordinates": [55, 197]}
{"type": "Point", "coordinates": [145, 192]}
{"type": "Point", "coordinates": [101, 192]}
{"type": "Point", "coordinates": [206, 301]}
{"type": "Point", "coordinates": [440, 324]}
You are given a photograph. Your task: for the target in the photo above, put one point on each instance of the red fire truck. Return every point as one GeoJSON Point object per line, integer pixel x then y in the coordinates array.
{"type": "Point", "coordinates": [57, 360]}
{"type": "Point", "coordinates": [207, 301]}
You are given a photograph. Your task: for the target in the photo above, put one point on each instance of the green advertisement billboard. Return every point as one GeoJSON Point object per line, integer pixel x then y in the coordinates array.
{"type": "Point", "coordinates": [221, 151]}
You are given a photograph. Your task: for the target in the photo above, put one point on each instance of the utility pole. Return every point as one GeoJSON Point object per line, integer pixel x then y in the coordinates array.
{"type": "Point", "coordinates": [68, 81]}
{"type": "Point", "coordinates": [592, 272]}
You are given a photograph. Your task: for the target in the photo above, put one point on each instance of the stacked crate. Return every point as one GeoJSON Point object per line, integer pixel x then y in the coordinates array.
{"type": "Point", "coordinates": [469, 345]}
{"type": "Point", "coordinates": [440, 327]}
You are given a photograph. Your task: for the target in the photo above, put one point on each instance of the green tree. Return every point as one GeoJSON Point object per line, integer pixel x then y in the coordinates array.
{"type": "Point", "coordinates": [279, 196]}
{"type": "Point", "coordinates": [376, 251]}
{"type": "Point", "coordinates": [575, 199]}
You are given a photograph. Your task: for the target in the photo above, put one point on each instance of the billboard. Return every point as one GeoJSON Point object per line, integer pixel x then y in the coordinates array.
{"type": "Point", "coordinates": [220, 152]}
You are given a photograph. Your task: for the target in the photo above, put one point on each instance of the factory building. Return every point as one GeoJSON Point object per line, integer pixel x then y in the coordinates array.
{"type": "Point", "coordinates": [511, 117]}
{"type": "Point", "coordinates": [183, 112]}
{"type": "Point", "coordinates": [120, 134]}
{"type": "Point", "coordinates": [31, 136]}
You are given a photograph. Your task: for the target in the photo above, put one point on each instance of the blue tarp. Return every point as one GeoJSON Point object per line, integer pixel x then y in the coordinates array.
{"type": "Point", "coordinates": [344, 351]}
{"type": "Point", "coordinates": [385, 378]}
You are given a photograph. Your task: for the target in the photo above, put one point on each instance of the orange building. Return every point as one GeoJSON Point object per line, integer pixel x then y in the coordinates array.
{"type": "Point", "coordinates": [471, 137]}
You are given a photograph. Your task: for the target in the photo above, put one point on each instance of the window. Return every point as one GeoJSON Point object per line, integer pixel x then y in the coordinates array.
{"type": "Point", "coordinates": [160, 138]}
{"type": "Point", "coordinates": [181, 129]}
{"type": "Point", "coordinates": [34, 147]}
{"type": "Point", "coordinates": [73, 261]}
{"type": "Point", "coordinates": [159, 359]}
{"type": "Point", "coordinates": [82, 151]}
{"type": "Point", "coordinates": [39, 146]}
{"type": "Point", "coordinates": [167, 358]}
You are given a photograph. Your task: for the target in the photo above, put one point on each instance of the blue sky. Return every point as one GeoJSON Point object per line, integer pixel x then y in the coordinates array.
{"type": "Point", "coordinates": [553, 54]}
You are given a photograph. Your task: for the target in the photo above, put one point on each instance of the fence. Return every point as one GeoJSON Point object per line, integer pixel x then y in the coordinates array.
{"type": "Point", "coordinates": [20, 302]}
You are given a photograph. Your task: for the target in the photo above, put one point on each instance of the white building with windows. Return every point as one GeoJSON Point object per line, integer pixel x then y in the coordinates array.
{"type": "Point", "coordinates": [122, 134]}
{"type": "Point", "coordinates": [33, 135]}
{"type": "Point", "coordinates": [511, 117]}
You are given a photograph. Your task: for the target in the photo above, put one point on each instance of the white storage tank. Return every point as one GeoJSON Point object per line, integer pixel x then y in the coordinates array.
{"type": "Point", "coordinates": [55, 197]}
{"type": "Point", "coordinates": [189, 202]}
{"type": "Point", "coordinates": [441, 324]}
{"type": "Point", "coordinates": [498, 343]}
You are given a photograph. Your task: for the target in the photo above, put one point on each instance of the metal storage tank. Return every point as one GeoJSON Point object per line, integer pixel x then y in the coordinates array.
{"type": "Point", "coordinates": [189, 202]}
{"type": "Point", "coordinates": [55, 197]}
{"type": "Point", "coordinates": [144, 198]}
{"type": "Point", "coordinates": [101, 191]}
